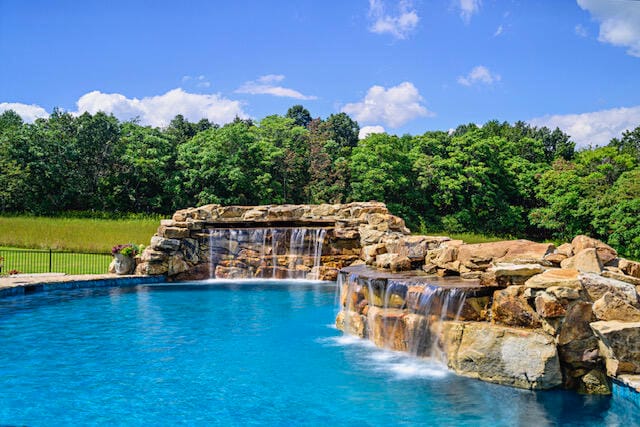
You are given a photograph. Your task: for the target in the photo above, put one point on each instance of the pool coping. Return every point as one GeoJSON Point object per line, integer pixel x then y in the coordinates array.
{"type": "Point", "coordinates": [32, 283]}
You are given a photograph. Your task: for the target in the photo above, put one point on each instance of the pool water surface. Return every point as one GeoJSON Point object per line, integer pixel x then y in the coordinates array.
{"type": "Point", "coordinates": [237, 354]}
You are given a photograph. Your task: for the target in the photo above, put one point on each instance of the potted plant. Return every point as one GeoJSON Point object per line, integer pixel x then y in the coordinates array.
{"type": "Point", "coordinates": [124, 258]}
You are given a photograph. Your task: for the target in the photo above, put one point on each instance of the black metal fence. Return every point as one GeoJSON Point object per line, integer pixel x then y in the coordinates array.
{"type": "Point", "coordinates": [13, 261]}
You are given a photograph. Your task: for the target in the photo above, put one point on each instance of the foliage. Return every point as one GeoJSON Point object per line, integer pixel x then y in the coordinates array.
{"type": "Point", "coordinates": [498, 179]}
{"type": "Point", "coordinates": [128, 249]}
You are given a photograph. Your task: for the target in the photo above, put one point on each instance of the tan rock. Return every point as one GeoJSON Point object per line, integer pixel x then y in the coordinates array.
{"type": "Point", "coordinates": [555, 258]}
{"type": "Point", "coordinates": [352, 323]}
{"type": "Point", "coordinates": [612, 307]}
{"type": "Point", "coordinates": [605, 252]}
{"type": "Point", "coordinates": [499, 354]}
{"type": "Point", "coordinates": [511, 308]}
{"type": "Point", "coordinates": [596, 286]}
{"type": "Point", "coordinates": [400, 263]}
{"type": "Point", "coordinates": [586, 261]}
{"type": "Point", "coordinates": [565, 249]}
{"type": "Point", "coordinates": [622, 277]}
{"type": "Point", "coordinates": [548, 305]}
{"type": "Point", "coordinates": [480, 256]}
{"type": "Point", "coordinates": [160, 243]}
{"type": "Point", "coordinates": [566, 278]}
{"type": "Point", "coordinates": [564, 293]}
{"type": "Point", "coordinates": [370, 252]}
{"type": "Point", "coordinates": [630, 268]}
{"type": "Point", "coordinates": [517, 270]}
{"type": "Point", "coordinates": [387, 328]}
{"type": "Point", "coordinates": [173, 232]}
{"type": "Point", "coordinates": [620, 346]}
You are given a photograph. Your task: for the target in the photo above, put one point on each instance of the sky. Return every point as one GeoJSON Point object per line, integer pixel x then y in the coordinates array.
{"type": "Point", "coordinates": [400, 66]}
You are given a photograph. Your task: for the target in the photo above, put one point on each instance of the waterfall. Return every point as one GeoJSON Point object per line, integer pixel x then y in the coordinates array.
{"type": "Point", "coordinates": [272, 253]}
{"type": "Point", "coordinates": [405, 314]}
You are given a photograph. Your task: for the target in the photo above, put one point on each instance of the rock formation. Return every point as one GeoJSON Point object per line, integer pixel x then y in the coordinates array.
{"type": "Point", "coordinates": [517, 312]}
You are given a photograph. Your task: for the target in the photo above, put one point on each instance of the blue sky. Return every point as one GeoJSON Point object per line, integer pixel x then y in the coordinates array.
{"type": "Point", "coordinates": [405, 66]}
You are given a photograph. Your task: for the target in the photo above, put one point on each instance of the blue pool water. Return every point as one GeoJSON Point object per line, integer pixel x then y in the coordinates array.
{"type": "Point", "coordinates": [238, 354]}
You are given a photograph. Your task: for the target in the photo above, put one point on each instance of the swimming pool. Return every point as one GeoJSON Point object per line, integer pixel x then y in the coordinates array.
{"type": "Point", "coordinates": [239, 353]}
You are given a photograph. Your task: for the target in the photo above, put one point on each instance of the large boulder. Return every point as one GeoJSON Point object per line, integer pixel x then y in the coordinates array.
{"type": "Point", "coordinates": [565, 278]}
{"type": "Point", "coordinates": [630, 268]}
{"type": "Point", "coordinates": [612, 307]}
{"type": "Point", "coordinates": [605, 252]}
{"type": "Point", "coordinates": [503, 355]}
{"type": "Point", "coordinates": [620, 345]}
{"type": "Point", "coordinates": [585, 261]}
{"type": "Point", "coordinates": [596, 286]}
{"type": "Point", "coordinates": [480, 256]}
{"type": "Point", "coordinates": [511, 308]}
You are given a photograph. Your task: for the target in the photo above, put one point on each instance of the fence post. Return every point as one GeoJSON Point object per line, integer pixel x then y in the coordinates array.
{"type": "Point", "coordinates": [50, 262]}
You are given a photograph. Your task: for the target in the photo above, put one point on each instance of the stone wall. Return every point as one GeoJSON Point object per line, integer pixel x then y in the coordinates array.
{"type": "Point", "coordinates": [180, 248]}
{"type": "Point", "coordinates": [535, 316]}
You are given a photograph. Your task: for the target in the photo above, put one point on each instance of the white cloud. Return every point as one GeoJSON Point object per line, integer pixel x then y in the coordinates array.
{"type": "Point", "coordinates": [468, 8]}
{"type": "Point", "coordinates": [595, 128]}
{"type": "Point", "coordinates": [28, 112]}
{"type": "Point", "coordinates": [619, 22]}
{"type": "Point", "coordinates": [159, 110]}
{"type": "Point", "coordinates": [499, 31]}
{"type": "Point", "coordinates": [394, 106]}
{"type": "Point", "coordinates": [265, 85]}
{"type": "Point", "coordinates": [479, 74]}
{"type": "Point", "coordinates": [199, 81]}
{"type": "Point", "coordinates": [400, 25]}
{"type": "Point", "coordinates": [365, 131]}
{"type": "Point", "coordinates": [581, 30]}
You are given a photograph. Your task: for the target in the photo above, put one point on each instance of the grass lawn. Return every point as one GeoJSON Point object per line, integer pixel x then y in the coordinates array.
{"type": "Point", "coordinates": [40, 261]}
{"type": "Point", "coordinates": [25, 242]}
{"type": "Point", "coordinates": [468, 237]}
{"type": "Point", "coordinates": [74, 234]}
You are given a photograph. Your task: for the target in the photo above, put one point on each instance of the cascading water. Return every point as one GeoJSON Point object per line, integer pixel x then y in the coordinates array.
{"type": "Point", "coordinates": [281, 253]}
{"type": "Point", "coordinates": [398, 314]}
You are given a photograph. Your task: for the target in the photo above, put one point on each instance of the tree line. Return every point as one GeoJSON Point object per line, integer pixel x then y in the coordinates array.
{"type": "Point", "coordinates": [500, 179]}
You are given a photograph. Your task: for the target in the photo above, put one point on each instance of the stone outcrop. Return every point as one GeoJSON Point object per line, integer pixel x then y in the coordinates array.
{"type": "Point", "coordinates": [524, 358]}
{"type": "Point", "coordinates": [538, 326]}
{"type": "Point", "coordinates": [182, 247]}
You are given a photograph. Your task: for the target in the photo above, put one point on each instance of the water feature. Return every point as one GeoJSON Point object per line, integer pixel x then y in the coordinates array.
{"type": "Point", "coordinates": [239, 353]}
{"type": "Point", "coordinates": [283, 252]}
{"type": "Point", "coordinates": [403, 313]}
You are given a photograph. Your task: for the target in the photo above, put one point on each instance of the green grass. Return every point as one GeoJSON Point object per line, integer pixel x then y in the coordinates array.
{"type": "Point", "coordinates": [36, 261]}
{"type": "Point", "coordinates": [74, 234]}
{"type": "Point", "coordinates": [468, 237]}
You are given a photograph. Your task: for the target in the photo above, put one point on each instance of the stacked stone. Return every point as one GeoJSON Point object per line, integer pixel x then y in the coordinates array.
{"type": "Point", "coordinates": [180, 248]}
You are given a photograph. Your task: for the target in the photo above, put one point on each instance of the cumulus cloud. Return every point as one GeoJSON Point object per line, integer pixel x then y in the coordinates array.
{"type": "Point", "coordinates": [365, 131]}
{"type": "Point", "coordinates": [159, 110]}
{"type": "Point", "coordinates": [267, 85]}
{"type": "Point", "coordinates": [479, 74]}
{"type": "Point", "coordinates": [28, 112]}
{"type": "Point", "coordinates": [468, 8]}
{"type": "Point", "coordinates": [399, 25]}
{"type": "Point", "coordinates": [595, 128]}
{"type": "Point", "coordinates": [394, 106]}
{"type": "Point", "coordinates": [619, 22]}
